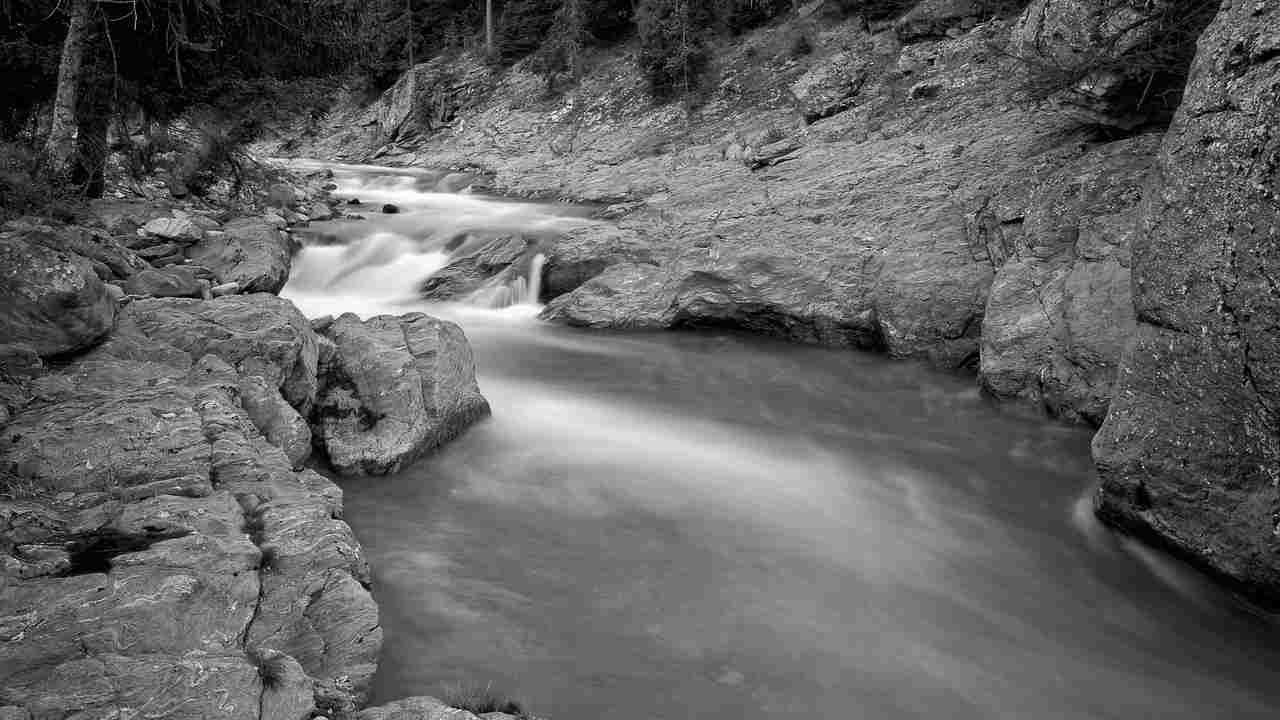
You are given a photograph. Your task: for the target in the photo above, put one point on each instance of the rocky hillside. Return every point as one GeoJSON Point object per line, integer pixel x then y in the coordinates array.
{"type": "Point", "coordinates": [905, 187]}
{"type": "Point", "coordinates": [164, 551]}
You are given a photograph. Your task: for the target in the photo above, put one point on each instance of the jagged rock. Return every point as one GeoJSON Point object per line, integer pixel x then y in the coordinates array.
{"type": "Point", "coordinates": [258, 334]}
{"type": "Point", "coordinates": [179, 230]}
{"type": "Point", "coordinates": [1059, 312]}
{"type": "Point", "coordinates": [173, 281]}
{"type": "Point", "coordinates": [581, 253]}
{"type": "Point", "coordinates": [51, 300]}
{"type": "Point", "coordinates": [1190, 450]}
{"type": "Point", "coordinates": [478, 262]}
{"type": "Point", "coordinates": [394, 388]}
{"type": "Point", "coordinates": [831, 86]}
{"type": "Point", "coordinates": [252, 252]}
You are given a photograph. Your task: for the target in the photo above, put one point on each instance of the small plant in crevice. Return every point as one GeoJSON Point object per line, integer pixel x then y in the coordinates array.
{"type": "Point", "coordinates": [270, 559]}
{"type": "Point", "coordinates": [273, 667]}
{"type": "Point", "coordinates": [479, 700]}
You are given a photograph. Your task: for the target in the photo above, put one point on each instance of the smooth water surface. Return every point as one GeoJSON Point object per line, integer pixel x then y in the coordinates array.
{"type": "Point", "coordinates": [707, 526]}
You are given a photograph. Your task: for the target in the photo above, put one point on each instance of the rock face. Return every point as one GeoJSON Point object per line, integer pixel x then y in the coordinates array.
{"type": "Point", "coordinates": [1190, 452]}
{"type": "Point", "coordinates": [186, 552]}
{"type": "Point", "coordinates": [51, 300]}
{"type": "Point", "coordinates": [249, 251]}
{"type": "Point", "coordinates": [393, 388]}
{"type": "Point", "coordinates": [1059, 311]}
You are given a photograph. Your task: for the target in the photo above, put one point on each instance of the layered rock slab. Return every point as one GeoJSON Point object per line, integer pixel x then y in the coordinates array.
{"type": "Point", "coordinates": [1190, 452]}
{"type": "Point", "coordinates": [392, 389]}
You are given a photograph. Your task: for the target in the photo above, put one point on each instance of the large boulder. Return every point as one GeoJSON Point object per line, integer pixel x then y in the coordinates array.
{"type": "Point", "coordinates": [51, 300]}
{"type": "Point", "coordinates": [481, 262]}
{"type": "Point", "coordinates": [580, 253]}
{"type": "Point", "coordinates": [393, 388]}
{"type": "Point", "coordinates": [1190, 451]}
{"type": "Point", "coordinates": [1060, 313]}
{"type": "Point", "coordinates": [248, 251]}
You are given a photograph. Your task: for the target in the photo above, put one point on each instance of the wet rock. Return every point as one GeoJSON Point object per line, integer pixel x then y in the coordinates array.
{"type": "Point", "coordinates": [395, 387]}
{"type": "Point", "coordinates": [173, 281]}
{"type": "Point", "coordinates": [389, 209]}
{"type": "Point", "coordinates": [1190, 450]}
{"type": "Point", "coordinates": [51, 300]}
{"type": "Point", "coordinates": [478, 262]}
{"type": "Point", "coordinates": [252, 253]}
{"type": "Point", "coordinates": [1059, 311]}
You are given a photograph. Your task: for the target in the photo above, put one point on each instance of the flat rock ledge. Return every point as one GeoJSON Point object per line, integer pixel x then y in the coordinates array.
{"type": "Point", "coordinates": [163, 551]}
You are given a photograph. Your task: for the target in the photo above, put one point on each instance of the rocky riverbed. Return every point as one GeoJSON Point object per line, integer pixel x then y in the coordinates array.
{"type": "Point", "coordinates": [167, 549]}
{"type": "Point", "coordinates": [901, 189]}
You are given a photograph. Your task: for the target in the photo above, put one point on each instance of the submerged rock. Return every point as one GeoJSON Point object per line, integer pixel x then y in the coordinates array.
{"type": "Point", "coordinates": [393, 388]}
{"type": "Point", "coordinates": [50, 300]}
{"type": "Point", "coordinates": [1190, 451]}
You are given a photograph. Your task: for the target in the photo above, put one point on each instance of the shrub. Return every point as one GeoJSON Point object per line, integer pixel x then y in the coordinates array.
{"type": "Point", "coordinates": [673, 52]}
{"type": "Point", "coordinates": [479, 700]}
{"type": "Point", "coordinates": [1134, 75]}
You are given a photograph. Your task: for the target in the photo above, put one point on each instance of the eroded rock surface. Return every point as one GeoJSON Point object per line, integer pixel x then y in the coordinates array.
{"type": "Point", "coordinates": [1190, 452]}
{"type": "Point", "coordinates": [393, 388]}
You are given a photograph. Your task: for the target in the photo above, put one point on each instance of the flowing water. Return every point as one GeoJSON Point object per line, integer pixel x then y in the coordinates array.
{"type": "Point", "coordinates": [706, 526]}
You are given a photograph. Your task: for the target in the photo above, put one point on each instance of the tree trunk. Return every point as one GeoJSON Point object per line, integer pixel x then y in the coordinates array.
{"type": "Point", "coordinates": [488, 27]}
{"type": "Point", "coordinates": [60, 146]}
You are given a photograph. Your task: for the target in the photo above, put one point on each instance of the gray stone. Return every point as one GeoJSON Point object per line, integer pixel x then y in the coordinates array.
{"type": "Point", "coordinates": [395, 387]}
{"type": "Point", "coordinates": [252, 253]}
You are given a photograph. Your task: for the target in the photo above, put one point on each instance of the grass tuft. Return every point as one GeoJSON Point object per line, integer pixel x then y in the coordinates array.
{"type": "Point", "coordinates": [479, 700]}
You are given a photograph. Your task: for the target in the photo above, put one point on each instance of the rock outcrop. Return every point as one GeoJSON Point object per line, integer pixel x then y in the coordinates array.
{"type": "Point", "coordinates": [1059, 312]}
{"type": "Point", "coordinates": [1190, 452]}
{"type": "Point", "coordinates": [393, 388]}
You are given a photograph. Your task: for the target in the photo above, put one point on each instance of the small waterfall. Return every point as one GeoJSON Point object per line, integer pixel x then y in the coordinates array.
{"type": "Point", "coordinates": [510, 288]}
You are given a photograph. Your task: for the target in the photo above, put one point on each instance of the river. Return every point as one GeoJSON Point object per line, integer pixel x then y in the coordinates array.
{"type": "Point", "coordinates": [664, 526]}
